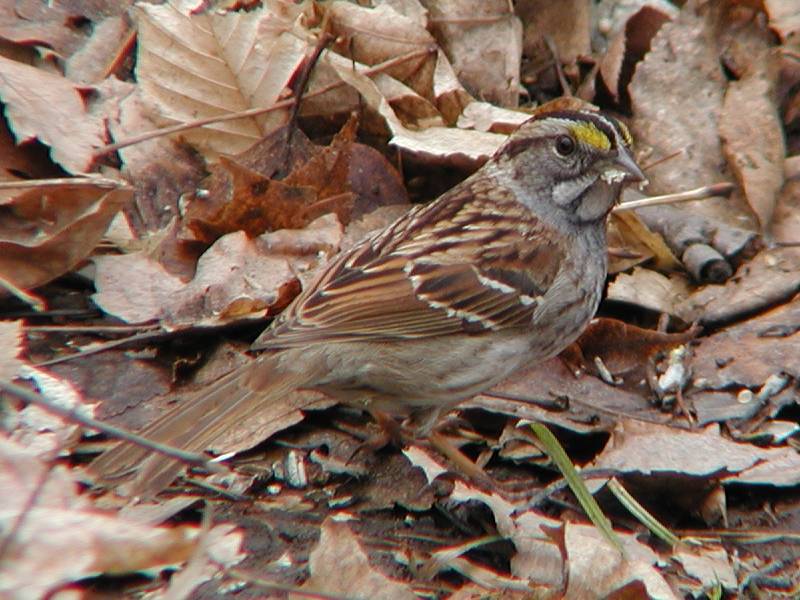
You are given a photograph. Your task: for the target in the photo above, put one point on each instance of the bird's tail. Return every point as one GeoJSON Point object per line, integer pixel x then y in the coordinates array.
{"type": "Point", "coordinates": [196, 424]}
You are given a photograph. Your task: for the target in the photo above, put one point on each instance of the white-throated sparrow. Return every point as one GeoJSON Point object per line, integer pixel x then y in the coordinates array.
{"type": "Point", "coordinates": [506, 268]}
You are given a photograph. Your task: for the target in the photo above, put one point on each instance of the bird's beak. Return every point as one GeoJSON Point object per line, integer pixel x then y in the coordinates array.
{"type": "Point", "coordinates": [623, 169]}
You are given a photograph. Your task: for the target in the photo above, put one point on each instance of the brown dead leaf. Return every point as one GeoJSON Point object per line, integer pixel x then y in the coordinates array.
{"type": "Point", "coordinates": [483, 42]}
{"type": "Point", "coordinates": [374, 35]}
{"type": "Point", "coordinates": [650, 289]}
{"type": "Point", "coordinates": [63, 539]}
{"type": "Point", "coordinates": [47, 231]}
{"type": "Point", "coordinates": [623, 346]}
{"type": "Point", "coordinates": [543, 20]}
{"type": "Point", "coordinates": [551, 392]}
{"type": "Point", "coordinates": [338, 565]}
{"type": "Point", "coordinates": [626, 230]}
{"type": "Point", "coordinates": [748, 353]}
{"type": "Point", "coordinates": [648, 448]}
{"type": "Point", "coordinates": [26, 161]}
{"type": "Point", "coordinates": [236, 279]}
{"type": "Point", "coordinates": [677, 94]}
{"type": "Point", "coordinates": [49, 108]}
{"type": "Point", "coordinates": [786, 227]}
{"type": "Point", "coordinates": [754, 146]}
{"type": "Point", "coordinates": [343, 178]}
{"type": "Point", "coordinates": [160, 168]}
{"type": "Point", "coordinates": [627, 48]}
{"type": "Point", "coordinates": [771, 277]}
{"type": "Point", "coordinates": [39, 24]}
{"type": "Point", "coordinates": [193, 66]}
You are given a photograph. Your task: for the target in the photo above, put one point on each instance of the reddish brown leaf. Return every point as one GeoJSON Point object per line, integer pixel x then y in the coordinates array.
{"type": "Point", "coordinates": [46, 231]}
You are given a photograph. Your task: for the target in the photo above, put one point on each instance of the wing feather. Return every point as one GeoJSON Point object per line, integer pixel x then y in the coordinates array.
{"type": "Point", "coordinates": [449, 267]}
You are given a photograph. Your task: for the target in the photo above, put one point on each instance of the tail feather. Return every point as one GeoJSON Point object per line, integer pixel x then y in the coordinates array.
{"type": "Point", "coordinates": [195, 425]}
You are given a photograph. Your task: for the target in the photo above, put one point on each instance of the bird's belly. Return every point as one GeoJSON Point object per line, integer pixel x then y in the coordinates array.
{"type": "Point", "coordinates": [411, 374]}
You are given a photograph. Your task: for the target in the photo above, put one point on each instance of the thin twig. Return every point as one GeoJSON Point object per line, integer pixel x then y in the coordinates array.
{"type": "Point", "coordinates": [709, 191]}
{"type": "Point", "coordinates": [94, 182]}
{"type": "Point", "coordinates": [253, 112]}
{"type": "Point", "coordinates": [147, 334]}
{"type": "Point", "coordinates": [91, 328]}
{"type": "Point", "coordinates": [191, 458]}
{"type": "Point", "coordinates": [663, 159]}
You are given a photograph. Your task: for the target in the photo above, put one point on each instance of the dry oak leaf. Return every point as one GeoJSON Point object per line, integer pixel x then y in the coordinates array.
{"type": "Point", "coordinates": [195, 66]}
{"type": "Point", "coordinates": [45, 232]}
{"type": "Point", "coordinates": [43, 106]}
{"type": "Point", "coordinates": [344, 178]}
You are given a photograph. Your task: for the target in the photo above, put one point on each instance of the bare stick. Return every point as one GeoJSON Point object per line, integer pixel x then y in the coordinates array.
{"type": "Point", "coordinates": [191, 458]}
{"type": "Point", "coordinates": [95, 182]}
{"type": "Point", "coordinates": [253, 111]}
{"type": "Point", "coordinates": [709, 191]}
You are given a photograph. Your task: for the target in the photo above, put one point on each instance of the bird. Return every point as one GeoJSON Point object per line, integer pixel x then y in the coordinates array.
{"type": "Point", "coordinates": [504, 270]}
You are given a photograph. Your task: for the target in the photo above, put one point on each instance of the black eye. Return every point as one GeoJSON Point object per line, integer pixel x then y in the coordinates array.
{"type": "Point", "coordinates": [565, 145]}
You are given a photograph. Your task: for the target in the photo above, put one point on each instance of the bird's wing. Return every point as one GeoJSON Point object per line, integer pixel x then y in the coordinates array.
{"type": "Point", "coordinates": [457, 266]}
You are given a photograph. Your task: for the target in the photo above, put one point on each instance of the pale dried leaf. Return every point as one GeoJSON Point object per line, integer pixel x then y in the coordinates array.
{"type": "Point", "coordinates": [483, 116]}
{"type": "Point", "coordinates": [649, 448]}
{"type": "Point", "coordinates": [483, 41]}
{"type": "Point", "coordinates": [10, 346]}
{"type": "Point", "coordinates": [91, 63]}
{"type": "Point", "coordinates": [784, 17]}
{"type": "Point", "coordinates": [597, 570]}
{"type": "Point", "coordinates": [47, 231]}
{"type": "Point", "coordinates": [62, 538]}
{"type": "Point", "coordinates": [710, 566]}
{"type": "Point", "coordinates": [650, 289]}
{"type": "Point", "coordinates": [191, 67]}
{"type": "Point", "coordinates": [754, 146]}
{"type": "Point", "coordinates": [676, 96]}
{"type": "Point", "coordinates": [339, 566]}
{"type": "Point", "coordinates": [374, 35]}
{"type": "Point", "coordinates": [39, 105]}
{"type": "Point", "coordinates": [41, 431]}
{"type": "Point", "coordinates": [236, 278]}
{"type": "Point", "coordinates": [436, 144]}
{"type": "Point", "coordinates": [592, 563]}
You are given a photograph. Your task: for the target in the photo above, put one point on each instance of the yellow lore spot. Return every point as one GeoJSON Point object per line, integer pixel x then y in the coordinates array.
{"type": "Point", "coordinates": [588, 133]}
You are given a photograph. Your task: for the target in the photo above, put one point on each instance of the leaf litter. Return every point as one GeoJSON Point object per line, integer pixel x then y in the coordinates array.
{"type": "Point", "coordinates": [207, 233]}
